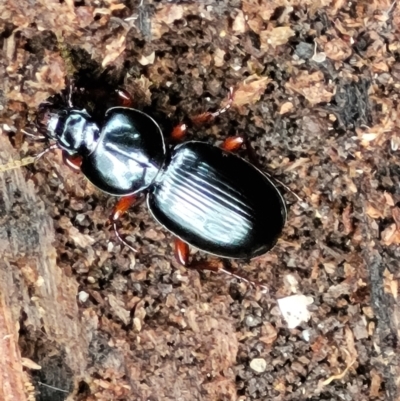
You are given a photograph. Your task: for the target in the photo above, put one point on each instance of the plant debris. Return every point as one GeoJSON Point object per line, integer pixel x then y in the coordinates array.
{"type": "Point", "coordinates": [316, 86]}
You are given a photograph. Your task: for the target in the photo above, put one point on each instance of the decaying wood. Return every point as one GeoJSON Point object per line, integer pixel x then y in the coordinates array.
{"type": "Point", "coordinates": [316, 92]}
{"type": "Point", "coordinates": [38, 306]}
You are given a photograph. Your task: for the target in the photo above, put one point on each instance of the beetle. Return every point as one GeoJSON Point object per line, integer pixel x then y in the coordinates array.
{"type": "Point", "coordinates": [206, 196]}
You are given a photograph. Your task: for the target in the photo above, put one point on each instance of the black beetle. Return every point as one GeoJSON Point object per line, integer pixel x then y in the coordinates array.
{"type": "Point", "coordinates": [205, 195]}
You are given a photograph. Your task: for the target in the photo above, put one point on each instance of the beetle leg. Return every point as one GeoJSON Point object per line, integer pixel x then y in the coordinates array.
{"type": "Point", "coordinates": [279, 182]}
{"type": "Point", "coordinates": [74, 162]}
{"type": "Point", "coordinates": [208, 116]}
{"type": "Point", "coordinates": [182, 257]}
{"type": "Point", "coordinates": [124, 98]}
{"type": "Point", "coordinates": [119, 209]}
{"type": "Point", "coordinates": [233, 143]}
{"type": "Point", "coordinates": [179, 132]}
{"type": "Point", "coordinates": [181, 252]}
{"type": "Point", "coordinates": [244, 279]}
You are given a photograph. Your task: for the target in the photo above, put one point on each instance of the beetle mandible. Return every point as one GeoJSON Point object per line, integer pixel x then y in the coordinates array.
{"type": "Point", "coordinates": [206, 196]}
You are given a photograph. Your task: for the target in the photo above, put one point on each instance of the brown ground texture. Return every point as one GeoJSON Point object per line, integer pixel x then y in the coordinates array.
{"type": "Point", "coordinates": [316, 92]}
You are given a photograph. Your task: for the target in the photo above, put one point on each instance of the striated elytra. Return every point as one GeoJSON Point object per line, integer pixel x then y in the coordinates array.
{"type": "Point", "coordinates": [217, 202]}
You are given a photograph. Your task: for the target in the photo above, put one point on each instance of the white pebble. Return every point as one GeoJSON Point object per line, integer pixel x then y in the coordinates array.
{"type": "Point", "coordinates": [258, 365]}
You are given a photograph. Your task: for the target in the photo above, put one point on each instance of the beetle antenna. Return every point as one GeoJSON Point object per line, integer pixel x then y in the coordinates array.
{"type": "Point", "coordinates": [244, 279]}
{"type": "Point", "coordinates": [69, 98]}
{"type": "Point", "coordinates": [36, 137]}
{"type": "Point", "coordinates": [47, 150]}
{"type": "Point", "coordinates": [70, 89]}
{"type": "Point", "coordinates": [120, 239]}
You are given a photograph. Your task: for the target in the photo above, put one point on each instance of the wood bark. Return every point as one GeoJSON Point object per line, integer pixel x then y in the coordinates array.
{"type": "Point", "coordinates": [39, 316]}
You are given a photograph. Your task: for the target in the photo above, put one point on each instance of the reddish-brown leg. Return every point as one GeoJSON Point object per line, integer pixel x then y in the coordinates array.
{"type": "Point", "coordinates": [208, 116]}
{"type": "Point", "coordinates": [233, 143]}
{"type": "Point", "coordinates": [182, 257]}
{"type": "Point", "coordinates": [179, 132]}
{"type": "Point", "coordinates": [181, 252]}
{"type": "Point", "coordinates": [119, 209]}
{"type": "Point", "coordinates": [74, 162]}
{"type": "Point", "coordinates": [124, 98]}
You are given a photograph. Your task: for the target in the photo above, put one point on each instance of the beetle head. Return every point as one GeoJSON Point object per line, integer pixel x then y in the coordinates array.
{"type": "Point", "coordinates": [73, 130]}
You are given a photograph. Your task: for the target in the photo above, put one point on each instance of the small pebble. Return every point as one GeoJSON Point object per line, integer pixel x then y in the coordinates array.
{"type": "Point", "coordinates": [306, 335]}
{"type": "Point", "coordinates": [83, 296]}
{"type": "Point", "coordinates": [258, 365]}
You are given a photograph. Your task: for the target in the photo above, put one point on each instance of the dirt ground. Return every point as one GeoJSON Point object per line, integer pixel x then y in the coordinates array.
{"type": "Point", "coordinates": [316, 92]}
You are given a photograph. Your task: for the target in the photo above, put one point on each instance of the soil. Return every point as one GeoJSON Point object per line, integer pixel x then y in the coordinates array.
{"type": "Point", "coordinates": [316, 93]}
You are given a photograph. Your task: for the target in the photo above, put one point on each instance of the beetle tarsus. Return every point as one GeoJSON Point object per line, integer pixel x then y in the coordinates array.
{"type": "Point", "coordinates": [227, 107]}
{"type": "Point", "coordinates": [208, 116]}
{"type": "Point", "coordinates": [286, 187]}
{"type": "Point", "coordinates": [244, 279]}
{"type": "Point", "coordinates": [119, 209]}
{"type": "Point", "coordinates": [181, 253]}
{"type": "Point", "coordinates": [120, 239]}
